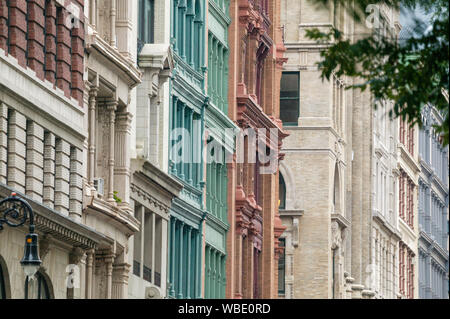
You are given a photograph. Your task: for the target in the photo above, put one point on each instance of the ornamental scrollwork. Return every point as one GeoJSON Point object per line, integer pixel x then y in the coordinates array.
{"type": "Point", "coordinates": [14, 212]}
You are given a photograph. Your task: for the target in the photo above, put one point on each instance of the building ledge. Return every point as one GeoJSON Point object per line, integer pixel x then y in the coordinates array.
{"type": "Point", "coordinates": [291, 212]}
{"type": "Point", "coordinates": [59, 226]}
{"type": "Point", "coordinates": [120, 216]}
{"type": "Point", "coordinates": [96, 45]}
{"type": "Point", "coordinates": [380, 218]}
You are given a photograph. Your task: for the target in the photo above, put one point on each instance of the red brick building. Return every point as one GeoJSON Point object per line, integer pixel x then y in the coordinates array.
{"type": "Point", "coordinates": [41, 35]}
{"type": "Point", "coordinates": [256, 61]}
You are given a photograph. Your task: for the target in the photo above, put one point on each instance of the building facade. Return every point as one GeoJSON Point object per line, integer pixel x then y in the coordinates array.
{"type": "Point", "coordinates": [349, 197]}
{"type": "Point", "coordinates": [152, 188]}
{"type": "Point", "coordinates": [433, 210]}
{"type": "Point", "coordinates": [188, 103]}
{"type": "Point", "coordinates": [43, 140]}
{"type": "Point", "coordinates": [256, 60]}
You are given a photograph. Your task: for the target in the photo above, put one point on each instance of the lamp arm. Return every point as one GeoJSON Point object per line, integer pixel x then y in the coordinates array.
{"type": "Point", "coordinates": [16, 206]}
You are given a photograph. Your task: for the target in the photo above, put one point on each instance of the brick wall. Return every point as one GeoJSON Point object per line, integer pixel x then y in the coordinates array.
{"type": "Point", "coordinates": [44, 36]}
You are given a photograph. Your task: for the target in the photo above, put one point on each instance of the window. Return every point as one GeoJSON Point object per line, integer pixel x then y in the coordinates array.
{"type": "Point", "coordinates": [282, 268]}
{"type": "Point", "coordinates": [37, 288]}
{"type": "Point", "coordinates": [290, 98]}
{"type": "Point", "coordinates": [146, 23]}
{"type": "Point", "coordinates": [147, 254]}
{"type": "Point", "coordinates": [2, 285]}
{"type": "Point", "coordinates": [282, 193]}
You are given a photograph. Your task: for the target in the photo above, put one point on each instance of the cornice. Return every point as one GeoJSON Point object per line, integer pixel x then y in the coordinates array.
{"type": "Point", "coordinates": [49, 221]}
{"type": "Point", "coordinates": [96, 45]}
{"type": "Point", "coordinates": [123, 218]}
{"type": "Point", "coordinates": [382, 221]}
{"type": "Point", "coordinates": [158, 56]}
{"type": "Point", "coordinates": [408, 159]}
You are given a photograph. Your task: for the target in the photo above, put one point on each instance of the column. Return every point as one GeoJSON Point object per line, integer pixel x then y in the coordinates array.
{"type": "Point", "coordinates": [93, 15]}
{"type": "Point", "coordinates": [34, 161]}
{"type": "Point", "coordinates": [182, 164]}
{"type": "Point", "coordinates": [175, 25]}
{"type": "Point", "coordinates": [62, 175]}
{"type": "Point", "coordinates": [49, 169]}
{"type": "Point", "coordinates": [180, 263]}
{"type": "Point", "coordinates": [192, 44]}
{"type": "Point", "coordinates": [198, 263]}
{"type": "Point", "coordinates": [213, 262]}
{"type": "Point", "coordinates": [120, 281]}
{"type": "Point", "coordinates": [219, 191]}
{"type": "Point", "coordinates": [189, 252]}
{"type": "Point", "coordinates": [153, 248]}
{"type": "Point", "coordinates": [174, 127]}
{"type": "Point", "coordinates": [92, 123]}
{"type": "Point", "coordinates": [109, 270]}
{"type": "Point", "coordinates": [191, 146]}
{"type": "Point", "coordinates": [89, 273]}
{"type": "Point", "coordinates": [154, 130]}
{"type": "Point", "coordinates": [122, 156]}
{"type": "Point", "coordinates": [225, 83]}
{"type": "Point", "coordinates": [173, 225]}
{"type": "Point", "coordinates": [113, 24]}
{"type": "Point", "coordinates": [183, 18]}
{"type": "Point", "coordinates": [214, 188]}
{"type": "Point", "coordinates": [16, 150]}
{"type": "Point", "coordinates": [111, 107]}
{"type": "Point", "coordinates": [207, 272]}
{"type": "Point", "coordinates": [143, 229]}
{"type": "Point", "coordinates": [76, 184]}
{"type": "Point", "coordinates": [163, 253]}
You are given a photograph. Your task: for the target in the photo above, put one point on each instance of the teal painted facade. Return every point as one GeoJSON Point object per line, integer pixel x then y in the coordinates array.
{"type": "Point", "coordinates": [188, 102]}
{"type": "Point", "coordinates": [220, 145]}
{"type": "Point", "coordinates": [199, 105]}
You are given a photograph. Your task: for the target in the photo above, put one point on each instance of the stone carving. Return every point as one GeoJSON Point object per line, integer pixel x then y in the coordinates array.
{"type": "Point", "coordinates": [335, 235]}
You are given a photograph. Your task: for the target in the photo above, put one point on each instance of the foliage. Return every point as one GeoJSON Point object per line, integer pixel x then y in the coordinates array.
{"type": "Point", "coordinates": [412, 72]}
{"type": "Point", "coordinates": [116, 198]}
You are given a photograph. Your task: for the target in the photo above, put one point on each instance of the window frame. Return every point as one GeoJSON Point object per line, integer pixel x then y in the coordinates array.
{"type": "Point", "coordinates": [282, 292]}
{"type": "Point", "coordinates": [281, 179]}
{"type": "Point", "coordinates": [145, 31]}
{"type": "Point", "coordinates": [42, 285]}
{"type": "Point", "coordinates": [291, 98]}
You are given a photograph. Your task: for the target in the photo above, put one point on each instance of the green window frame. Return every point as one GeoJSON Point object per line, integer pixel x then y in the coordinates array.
{"type": "Point", "coordinates": [290, 98]}
{"type": "Point", "coordinates": [146, 23]}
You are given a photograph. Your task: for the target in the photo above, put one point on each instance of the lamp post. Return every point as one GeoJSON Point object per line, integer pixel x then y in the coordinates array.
{"type": "Point", "coordinates": [15, 215]}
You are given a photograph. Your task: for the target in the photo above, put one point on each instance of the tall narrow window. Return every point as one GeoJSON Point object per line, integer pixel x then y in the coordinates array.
{"type": "Point", "coordinates": [282, 193]}
{"type": "Point", "coordinates": [290, 98]}
{"type": "Point", "coordinates": [282, 268]}
{"type": "Point", "coordinates": [146, 23]}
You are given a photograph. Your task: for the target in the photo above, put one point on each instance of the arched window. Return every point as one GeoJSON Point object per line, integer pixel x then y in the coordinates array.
{"type": "Point", "coordinates": [282, 193]}
{"type": "Point", "coordinates": [2, 284]}
{"type": "Point", "coordinates": [336, 191]}
{"type": "Point", "coordinates": [37, 288]}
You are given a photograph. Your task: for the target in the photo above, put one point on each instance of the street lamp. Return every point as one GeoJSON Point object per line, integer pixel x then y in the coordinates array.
{"type": "Point", "coordinates": [16, 214]}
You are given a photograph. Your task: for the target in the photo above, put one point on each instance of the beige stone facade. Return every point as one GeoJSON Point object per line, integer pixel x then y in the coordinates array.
{"type": "Point", "coordinates": [341, 174]}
